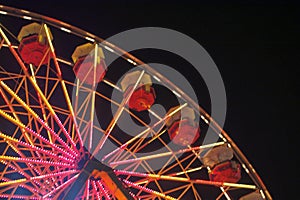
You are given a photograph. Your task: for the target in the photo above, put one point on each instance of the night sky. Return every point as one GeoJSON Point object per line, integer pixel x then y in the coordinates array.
{"type": "Point", "coordinates": [256, 49]}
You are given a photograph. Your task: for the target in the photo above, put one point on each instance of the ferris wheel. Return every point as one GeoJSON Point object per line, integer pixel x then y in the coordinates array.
{"type": "Point", "coordinates": [73, 126]}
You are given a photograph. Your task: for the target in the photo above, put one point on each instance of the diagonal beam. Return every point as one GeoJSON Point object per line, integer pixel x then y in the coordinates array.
{"type": "Point", "coordinates": [65, 91]}
{"type": "Point", "coordinates": [187, 180]}
{"type": "Point", "coordinates": [10, 139]}
{"type": "Point", "coordinates": [21, 125]}
{"type": "Point", "coordinates": [40, 102]}
{"type": "Point", "coordinates": [35, 161]}
{"type": "Point", "coordinates": [117, 115]}
{"type": "Point", "coordinates": [37, 88]}
{"type": "Point", "coordinates": [35, 115]}
{"type": "Point", "coordinates": [123, 146]}
{"type": "Point", "coordinates": [153, 192]}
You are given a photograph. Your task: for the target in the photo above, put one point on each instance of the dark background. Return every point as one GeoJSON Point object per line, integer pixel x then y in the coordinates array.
{"type": "Point", "coordinates": [255, 46]}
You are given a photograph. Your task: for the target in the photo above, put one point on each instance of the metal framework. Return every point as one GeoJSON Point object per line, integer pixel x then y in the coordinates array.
{"type": "Point", "coordinates": [49, 131]}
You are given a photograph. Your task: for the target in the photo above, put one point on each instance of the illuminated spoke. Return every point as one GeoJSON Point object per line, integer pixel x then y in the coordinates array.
{"type": "Point", "coordinates": [117, 115]}
{"type": "Point", "coordinates": [66, 94]}
{"type": "Point", "coordinates": [154, 193]}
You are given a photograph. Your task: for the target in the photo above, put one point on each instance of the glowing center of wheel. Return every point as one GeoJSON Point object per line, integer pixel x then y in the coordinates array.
{"type": "Point", "coordinates": [93, 169]}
